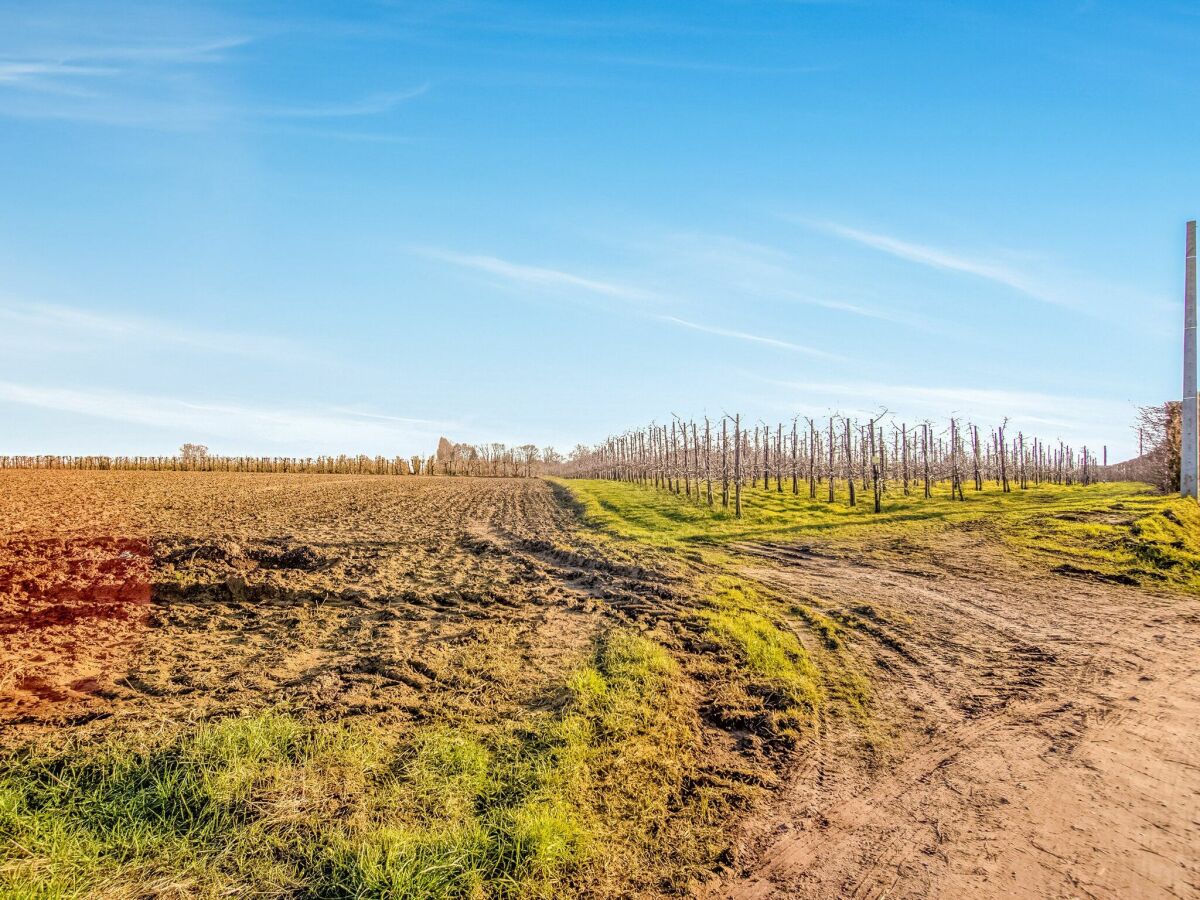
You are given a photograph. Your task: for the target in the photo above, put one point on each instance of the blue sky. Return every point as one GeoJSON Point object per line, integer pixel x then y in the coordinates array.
{"type": "Point", "coordinates": [300, 228]}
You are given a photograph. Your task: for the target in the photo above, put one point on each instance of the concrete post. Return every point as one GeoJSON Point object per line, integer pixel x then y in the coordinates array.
{"type": "Point", "coordinates": [1188, 448]}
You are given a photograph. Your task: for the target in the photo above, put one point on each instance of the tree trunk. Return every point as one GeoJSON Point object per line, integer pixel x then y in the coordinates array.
{"type": "Point", "coordinates": [708, 461]}
{"type": "Point", "coordinates": [850, 463]}
{"type": "Point", "coordinates": [779, 458]}
{"type": "Point", "coordinates": [831, 459]}
{"type": "Point", "coordinates": [725, 463]}
{"type": "Point", "coordinates": [737, 466]}
{"type": "Point", "coordinates": [925, 458]}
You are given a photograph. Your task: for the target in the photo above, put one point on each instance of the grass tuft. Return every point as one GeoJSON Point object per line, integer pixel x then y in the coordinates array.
{"type": "Point", "coordinates": [773, 664]}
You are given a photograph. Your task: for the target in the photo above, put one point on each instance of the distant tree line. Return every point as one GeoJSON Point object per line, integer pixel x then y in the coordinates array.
{"type": "Point", "coordinates": [493, 460]}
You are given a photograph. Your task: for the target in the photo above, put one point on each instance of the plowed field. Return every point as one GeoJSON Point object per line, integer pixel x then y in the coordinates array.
{"type": "Point", "coordinates": [176, 594]}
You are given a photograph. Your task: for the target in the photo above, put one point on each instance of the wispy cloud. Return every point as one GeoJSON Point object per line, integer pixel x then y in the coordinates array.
{"type": "Point", "coordinates": [54, 67]}
{"type": "Point", "coordinates": [337, 134]}
{"type": "Point", "coordinates": [154, 82]}
{"type": "Point", "coordinates": [136, 78]}
{"type": "Point", "coordinates": [752, 338]}
{"type": "Point", "coordinates": [1059, 413]}
{"type": "Point", "coordinates": [535, 276]}
{"type": "Point", "coordinates": [938, 258]}
{"type": "Point", "coordinates": [156, 52]}
{"type": "Point", "coordinates": [47, 75]}
{"type": "Point", "coordinates": [695, 65]}
{"type": "Point", "coordinates": [719, 267]}
{"type": "Point", "coordinates": [62, 58]}
{"type": "Point", "coordinates": [303, 431]}
{"type": "Point", "coordinates": [77, 328]}
{"type": "Point", "coordinates": [367, 106]}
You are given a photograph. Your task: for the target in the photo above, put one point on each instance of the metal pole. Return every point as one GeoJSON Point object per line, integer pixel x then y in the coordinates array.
{"type": "Point", "coordinates": [1188, 448]}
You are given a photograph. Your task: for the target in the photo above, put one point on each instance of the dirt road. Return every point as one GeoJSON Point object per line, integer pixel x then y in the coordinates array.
{"type": "Point", "coordinates": [1040, 736]}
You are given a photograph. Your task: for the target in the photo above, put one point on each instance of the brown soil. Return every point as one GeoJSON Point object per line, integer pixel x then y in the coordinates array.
{"type": "Point", "coordinates": [70, 609]}
{"type": "Point", "coordinates": [144, 596]}
{"type": "Point", "coordinates": [1035, 735]}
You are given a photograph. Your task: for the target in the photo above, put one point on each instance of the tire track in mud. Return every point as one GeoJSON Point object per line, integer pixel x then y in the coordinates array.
{"type": "Point", "coordinates": [1038, 736]}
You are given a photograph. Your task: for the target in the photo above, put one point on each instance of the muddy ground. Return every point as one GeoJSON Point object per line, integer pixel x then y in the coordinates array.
{"type": "Point", "coordinates": [1029, 734]}
{"type": "Point", "coordinates": [179, 595]}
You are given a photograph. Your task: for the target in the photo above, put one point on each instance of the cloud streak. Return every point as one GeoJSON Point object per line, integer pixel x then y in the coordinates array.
{"type": "Point", "coordinates": [752, 338]}
{"type": "Point", "coordinates": [535, 276]}
{"type": "Point", "coordinates": [50, 68]}
{"type": "Point", "coordinates": [718, 267]}
{"type": "Point", "coordinates": [716, 68]}
{"type": "Point", "coordinates": [70, 325]}
{"type": "Point", "coordinates": [154, 83]}
{"type": "Point", "coordinates": [937, 258]}
{"type": "Point", "coordinates": [205, 51]}
{"type": "Point", "coordinates": [373, 105]}
{"type": "Point", "coordinates": [38, 74]}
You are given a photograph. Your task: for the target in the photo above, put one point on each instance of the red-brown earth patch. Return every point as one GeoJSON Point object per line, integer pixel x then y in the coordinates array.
{"type": "Point", "coordinates": [71, 610]}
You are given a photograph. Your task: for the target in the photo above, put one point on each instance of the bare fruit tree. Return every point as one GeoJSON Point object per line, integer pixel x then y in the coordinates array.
{"type": "Point", "coordinates": [846, 454]}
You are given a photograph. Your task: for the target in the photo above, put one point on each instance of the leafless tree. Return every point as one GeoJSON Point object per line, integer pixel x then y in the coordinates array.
{"type": "Point", "coordinates": [1161, 434]}
{"type": "Point", "coordinates": [193, 454]}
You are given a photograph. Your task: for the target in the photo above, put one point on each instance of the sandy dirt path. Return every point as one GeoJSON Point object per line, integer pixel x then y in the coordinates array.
{"type": "Point", "coordinates": [1038, 736]}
